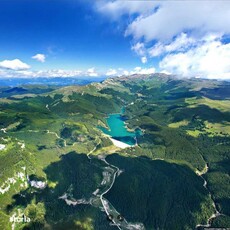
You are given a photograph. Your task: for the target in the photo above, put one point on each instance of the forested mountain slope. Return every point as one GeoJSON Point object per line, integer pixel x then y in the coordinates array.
{"type": "Point", "coordinates": [177, 177]}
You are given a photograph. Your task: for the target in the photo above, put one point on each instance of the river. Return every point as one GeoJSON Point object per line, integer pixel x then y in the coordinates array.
{"type": "Point", "coordinates": [110, 173]}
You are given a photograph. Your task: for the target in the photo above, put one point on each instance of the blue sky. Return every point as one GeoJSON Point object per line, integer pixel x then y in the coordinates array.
{"type": "Point", "coordinates": [92, 38]}
{"type": "Point", "coordinates": [70, 33]}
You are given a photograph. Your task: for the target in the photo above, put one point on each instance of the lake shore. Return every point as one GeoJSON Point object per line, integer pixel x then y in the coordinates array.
{"type": "Point", "coordinates": [120, 144]}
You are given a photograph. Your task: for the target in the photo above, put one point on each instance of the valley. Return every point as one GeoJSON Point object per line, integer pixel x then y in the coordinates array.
{"type": "Point", "coordinates": [171, 173]}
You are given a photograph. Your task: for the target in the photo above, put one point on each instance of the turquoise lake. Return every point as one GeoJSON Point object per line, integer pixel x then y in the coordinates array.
{"type": "Point", "coordinates": [118, 131]}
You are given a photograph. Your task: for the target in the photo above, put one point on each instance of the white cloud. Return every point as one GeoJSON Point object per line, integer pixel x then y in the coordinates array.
{"type": "Point", "coordinates": [139, 70]}
{"type": "Point", "coordinates": [58, 73]}
{"type": "Point", "coordinates": [156, 50]}
{"type": "Point", "coordinates": [91, 72]}
{"type": "Point", "coordinates": [116, 9]}
{"type": "Point", "coordinates": [139, 48]}
{"type": "Point", "coordinates": [144, 60]}
{"type": "Point", "coordinates": [181, 43]}
{"type": "Point", "coordinates": [165, 72]}
{"type": "Point", "coordinates": [39, 57]}
{"type": "Point", "coordinates": [15, 64]}
{"type": "Point", "coordinates": [136, 70]}
{"type": "Point", "coordinates": [2, 72]}
{"type": "Point", "coordinates": [175, 17]}
{"type": "Point", "coordinates": [178, 32]}
{"type": "Point", "coordinates": [42, 73]}
{"type": "Point", "coordinates": [125, 72]}
{"type": "Point", "coordinates": [209, 59]}
{"type": "Point", "coordinates": [122, 72]}
{"type": "Point", "coordinates": [111, 72]}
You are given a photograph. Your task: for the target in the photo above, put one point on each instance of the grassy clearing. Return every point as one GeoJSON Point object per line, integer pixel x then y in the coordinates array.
{"type": "Point", "coordinates": [222, 105]}
{"type": "Point", "coordinates": [178, 124]}
{"type": "Point", "coordinates": [211, 129]}
{"type": "Point", "coordinates": [218, 129]}
{"type": "Point", "coordinates": [194, 133]}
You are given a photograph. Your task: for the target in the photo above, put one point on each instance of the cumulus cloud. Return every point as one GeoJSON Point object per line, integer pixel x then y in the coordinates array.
{"type": "Point", "coordinates": [73, 73]}
{"type": "Point", "coordinates": [139, 48]}
{"type": "Point", "coordinates": [125, 72]}
{"type": "Point", "coordinates": [185, 35]}
{"type": "Point", "coordinates": [144, 60]}
{"type": "Point", "coordinates": [111, 72]}
{"type": "Point", "coordinates": [209, 59]}
{"type": "Point", "coordinates": [139, 70]}
{"type": "Point", "coordinates": [41, 73]}
{"type": "Point", "coordinates": [116, 9]}
{"type": "Point", "coordinates": [58, 73]}
{"type": "Point", "coordinates": [21, 71]}
{"type": "Point", "coordinates": [39, 57]}
{"type": "Point", "coordinates": [15, 64]}
{"type": "Point", "coordinates": [181, 43]}
{"type": "Point", "coordinates": [174, 17]}
{"type": "Point", "coordinates": [162, 20]}
{"type": "Point", "coordinates": [92, 72]}
{"type": "Point", "coordinates": [2, 72]}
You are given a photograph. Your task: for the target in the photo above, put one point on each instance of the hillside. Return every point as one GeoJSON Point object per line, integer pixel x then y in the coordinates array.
{"type": "Point", "coordinates": [176, 177]}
